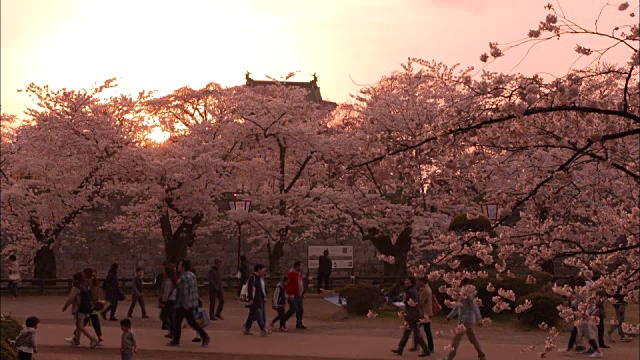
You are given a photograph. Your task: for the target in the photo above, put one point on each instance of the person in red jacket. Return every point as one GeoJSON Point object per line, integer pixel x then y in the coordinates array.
{"type": "Point", "coordinates": [295, 293]}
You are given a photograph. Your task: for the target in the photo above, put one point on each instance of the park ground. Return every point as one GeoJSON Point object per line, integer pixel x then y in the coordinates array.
{"type": "Point", "coordinates": [326, 338]}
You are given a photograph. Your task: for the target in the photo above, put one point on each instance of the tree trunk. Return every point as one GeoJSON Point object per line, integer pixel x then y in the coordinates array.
{"type": "Point", "coordinates": [176, 243]}
{"type": "Point", "coordinates": [176, 247]}
{"type": "Point", "coordinates": [44, 264]}
{"type": "Point", "coordinates": [275, 254]}
{"type": "Point", "coordinates": [399, 250]}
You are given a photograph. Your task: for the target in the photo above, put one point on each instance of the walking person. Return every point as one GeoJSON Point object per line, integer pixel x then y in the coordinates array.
{"type": "Point", "coordinates": [215, 291]}
{"type": "Point", "coordinates": [81, 307]}
{"type": "Point", "coordinates": [112, 292]}
{"type": "Point", "coordinates": [244, 271]}
{"type": "Point", "coordinates": [26, 342]}
{"type": "Point", "coordinates": [278, 304]}
{"type": "Point", "coordinates": [98, 304]}
{"type": "Point", "coordinates": [137, 295]}
{"type": "Point", "coordinates": [186, 302]}
{"type": "Point", "coordinates": [256, 295]}
{"type": "Point", "coordinates": [159, 283]}
{"type": "Point", "coordinates": [620, 309]}
{"type": "Point", "coordinates": [468, 315]}
{"type": "Point", "coordinates": [15, 275]}
{"type": "Point", "coordinates": [168, 299]}
{"type": "Point", "coordinates": [325, 265]}
{"type": "Point", "coordinates": [583, 326]}
{"type": "Point", "coordinates": [600, 312]}
{"type": "Point", "coordinates": [295, 293]}
{"type": "Point", "coordinates": [128, 343]}
{"type": "Point", "coordinates": [97, 298]}
{"type": "Point", "coordinates": [426, 304]}
{"type": "Point", "coordinates": [413, 314]}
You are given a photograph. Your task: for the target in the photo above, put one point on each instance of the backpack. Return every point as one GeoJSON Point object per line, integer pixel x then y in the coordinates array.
{"type": "Point", "coordinates": [23, 339]}
{"type": "Point", "coordinates": [435, 305]}
{"type": "Point", "coordinates": [85, 305]}
{"type": "Point", "coordinates": [278, 296]}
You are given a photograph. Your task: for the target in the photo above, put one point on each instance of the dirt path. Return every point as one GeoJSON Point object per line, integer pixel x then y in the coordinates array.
{"type": "Point", "coordinates": [325, 338]}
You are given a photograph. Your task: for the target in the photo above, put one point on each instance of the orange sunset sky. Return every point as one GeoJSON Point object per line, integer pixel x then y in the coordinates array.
{"type": "Point", "coordinates": [163, 45]}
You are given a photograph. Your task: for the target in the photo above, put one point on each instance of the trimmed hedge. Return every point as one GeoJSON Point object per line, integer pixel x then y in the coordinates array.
{"type": "Point", "coordinates": [544, 309]}
{"type": "Point", "coordinates": [461, 224]}
{"type": "Point", "coordinates": [361, 298]}
{"type": "Point", "coordinates": [518, 285]}
{"type": "Point", "coordinates": [9, 330]}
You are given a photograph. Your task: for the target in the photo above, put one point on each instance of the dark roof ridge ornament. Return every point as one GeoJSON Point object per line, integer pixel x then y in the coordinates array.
{"type": "Point", "coordinates": [247, 76]}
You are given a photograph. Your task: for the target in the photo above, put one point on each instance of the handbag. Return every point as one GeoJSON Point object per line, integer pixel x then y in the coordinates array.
{"type": "Point", "coordinates": [244, 295]}
{"type": "Point", "coordinates": [14, 277]}
{"type": "Point", "coordinates": [201, 318]}
{"type": "Point", "coordinates": [435, 305]}
{"type": "Point", "coordinates": [239, 274]}
{"type": "Point", "coordinates": [99, 305]}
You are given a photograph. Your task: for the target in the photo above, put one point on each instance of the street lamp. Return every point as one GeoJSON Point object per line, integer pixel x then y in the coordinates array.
{"type": "Point", "coordinates": [491, 211]}
{"type": "Point", "coordinates": [239, 205]}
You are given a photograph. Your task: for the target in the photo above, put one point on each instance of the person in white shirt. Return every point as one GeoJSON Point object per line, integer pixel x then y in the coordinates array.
{"type": "Point", "coordinates": [14, 275]}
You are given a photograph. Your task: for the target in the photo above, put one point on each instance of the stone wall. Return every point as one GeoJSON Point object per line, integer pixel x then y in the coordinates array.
{"type": "Point", "coordinates": [100, 248]}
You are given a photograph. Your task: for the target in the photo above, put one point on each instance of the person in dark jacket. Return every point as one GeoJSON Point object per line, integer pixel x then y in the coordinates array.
{"type": "Point", "coordinates": [215, 291]}
{"type": "Point", "coordinates": [112, 292]}
{"type": "Point", "coordinates": [245, 271]}
{"type": "Point", "coordinates": [279, 302]}
{"type": "Point", "coordinates": [324, 270]}
{"type": "Point", "coordinates": [413, 314]}
{"type": "Point", "coordinates": [256, 294]}
{"type": "Point", "coordinates": [138, 294]}
{"type": "Point", "coordinates": [168, 299]}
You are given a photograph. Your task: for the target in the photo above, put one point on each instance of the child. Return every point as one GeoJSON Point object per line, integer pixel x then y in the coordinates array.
{"type": "Point", "coordinates": [128, 344]}
{"type": "Point", "coordinates": [26, 340]}
{"type": "Point", "coordinates": [138, 294]}
{"type": "Point", "coordinates": [279, 301]}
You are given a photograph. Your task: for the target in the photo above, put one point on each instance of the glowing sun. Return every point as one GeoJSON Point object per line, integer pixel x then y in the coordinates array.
{"type": "Point", "coordinates": [158, 135]}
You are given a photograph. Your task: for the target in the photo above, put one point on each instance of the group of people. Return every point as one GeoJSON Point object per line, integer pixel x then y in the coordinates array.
{"type": "Point", "coordinates": [421, 306]}
{"type": "Point", "coordinates": [179, 300]}
{"type": "Point", "coordinates": [595, 336]}
{"type": "Point", "coordinates": [88, 300]}
{"type": "Point", "coordinates": [289, 291]}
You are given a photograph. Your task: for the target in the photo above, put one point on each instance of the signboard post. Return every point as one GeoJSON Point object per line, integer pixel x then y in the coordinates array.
{"type": "Point", "coordinates": [341, 256]}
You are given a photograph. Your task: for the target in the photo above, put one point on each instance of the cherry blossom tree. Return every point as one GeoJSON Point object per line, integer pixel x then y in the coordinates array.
{"type": "Point", "coordinates": [286, 139]}
{"type": "Point", "coordinates": [178, 186]}
{"type": "Point", "coordinates": [60, 164]}
{"type": "Point", "coordinates": [560, 156]}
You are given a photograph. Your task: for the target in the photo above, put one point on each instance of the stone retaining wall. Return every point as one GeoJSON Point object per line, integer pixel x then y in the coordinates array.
{"type": "Point", "coordinates": [100, 248]}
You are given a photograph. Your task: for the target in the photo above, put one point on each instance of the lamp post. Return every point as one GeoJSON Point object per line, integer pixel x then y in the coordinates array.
{"type": "Point", "coordinates": [240, 205]}
{"type": "Point", "coordinates": [491, 211]}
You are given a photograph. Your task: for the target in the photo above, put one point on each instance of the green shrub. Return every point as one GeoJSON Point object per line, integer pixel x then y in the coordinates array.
{"type": "Point", "coordinates": [9, 330]}
{"type": "Point", "coordinates": [461, 224]}
{"type": "Point", "coordinates": [544, 309]}
{"type": "Point", "coordinates": [518, 285]}
{"type": "Point", "coordinates": [361, 298]}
